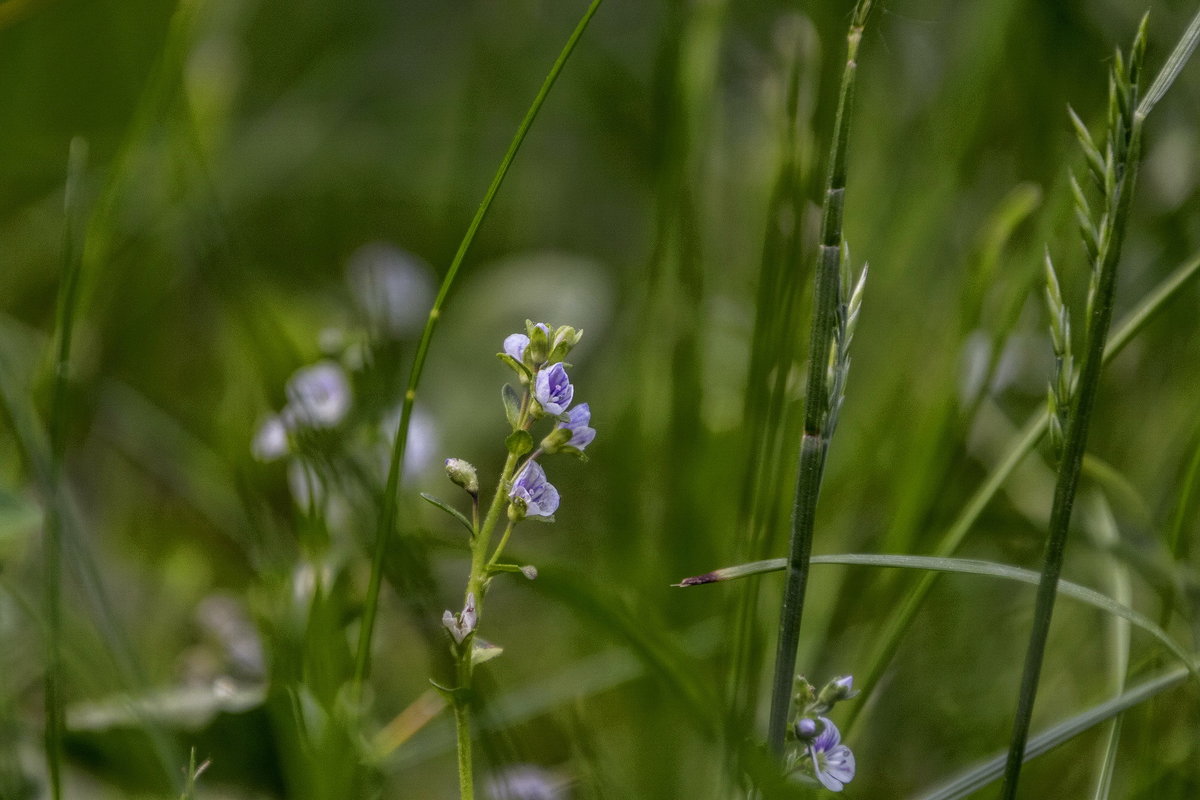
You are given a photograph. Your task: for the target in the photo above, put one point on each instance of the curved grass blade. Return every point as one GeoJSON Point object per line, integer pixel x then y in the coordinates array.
{"type": "Point", "coordinates": [387, 517]}
{"type": "Point", "coordinates": [978, 777]}
{"type": "Point", "coordinates": [961, 566]}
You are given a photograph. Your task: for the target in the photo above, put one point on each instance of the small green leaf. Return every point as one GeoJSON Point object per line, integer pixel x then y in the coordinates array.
{"type": "Point", "coordinates": [519, 442]}
{"type": "Point", "coordinates": [454, 512]}
{"type": "Point", "coordinates": [484, 651]}
{"type": "Point", "coordinates": [512, 405]}
{"type": "Point", "coordinates": [517, 366]}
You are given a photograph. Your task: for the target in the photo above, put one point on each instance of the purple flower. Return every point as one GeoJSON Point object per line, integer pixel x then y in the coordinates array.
{"type": "Point", "coordinates": [525, 782]}
{"type": "Point", "coordinates": [577, 423]}
{"type": "Point", "coordinates": [515, 345]}
{"type": "Point", "coordinates": [534, 492]}
{"type": "Point", "coordinates": [553, 390]}
{"type": "Point", "coordinates": [833, 763]}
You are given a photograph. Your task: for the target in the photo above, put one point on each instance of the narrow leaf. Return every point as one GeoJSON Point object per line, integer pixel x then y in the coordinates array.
{"type": "Point", "coordinates": [454, 512]}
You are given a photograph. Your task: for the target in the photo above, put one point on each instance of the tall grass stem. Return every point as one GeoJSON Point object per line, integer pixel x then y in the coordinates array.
{"type": "Point", "coordinates": [65, 325]}
{"type": "Point", "coordinates": [815, 441]}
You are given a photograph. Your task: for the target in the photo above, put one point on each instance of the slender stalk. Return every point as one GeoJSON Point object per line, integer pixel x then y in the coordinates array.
{"type": "Point", "coordinates": [814, 442]}
{"type": "Point", "coordinates": [389, 503]}
{"type": "Point", "coordinates": [67, 306]}
{"type": "Point", "coordinates": [1124, 150]}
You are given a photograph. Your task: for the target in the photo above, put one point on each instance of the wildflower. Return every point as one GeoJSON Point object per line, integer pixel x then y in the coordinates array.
{"type": "Point", "coordinates": [832, 761]}
{"type": "Point", "coordinates": [463, 624]}
{"type": "Point", "coordinates": [532, 495]}
{"type": "Point", "coordinates": [271, 441]}
{"type": "Point", "coordinates": [553, 390]}
{"type": "Point", "coordinates": [524, 782]}
{"type": "Point", "coordinates": [318, 395]}
{"type": "Point", "coordinates": [393, 288]}
{"type": "Point", "coordinates": [573, 434]}
{"type": "Point", "coordinates": [577, 423]}
{"type": "Point", "coordinates": [515, 345]}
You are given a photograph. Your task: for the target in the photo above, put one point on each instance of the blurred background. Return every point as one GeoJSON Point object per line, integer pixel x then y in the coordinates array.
{"type": "Point", "coordinates": [272, 194]}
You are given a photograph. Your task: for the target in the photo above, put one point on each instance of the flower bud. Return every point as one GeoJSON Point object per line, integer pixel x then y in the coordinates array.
{"type": "Point", "coordinates": [807, 729]}
{"type": "Point", "coordinates": [565, 337]}
{"type": "Point", "coordinates": [539, 343]}
{"type": "Point", "coordinates": [836, 690]}
{"type": "Point", "coordinates": [461, 473]}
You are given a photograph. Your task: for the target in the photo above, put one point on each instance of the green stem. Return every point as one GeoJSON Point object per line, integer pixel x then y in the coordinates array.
{"type": "Point", "coordinates": [387, 519]}
{"type": "Point", "coordinates": [814, 443]}
{"type": "Point", "coordinates": [462, 729]}
{"type": "Point", "coordinates": [1074, 447]}
{"type": "Point", "coordinates": [67, 306]}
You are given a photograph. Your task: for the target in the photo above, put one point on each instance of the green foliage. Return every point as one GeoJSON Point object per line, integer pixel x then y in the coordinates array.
{"type": "Point", "coordinates": [244, 160]}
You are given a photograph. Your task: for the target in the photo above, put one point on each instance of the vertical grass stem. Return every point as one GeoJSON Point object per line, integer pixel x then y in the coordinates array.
{"type": "Point", "coordinates": [814, 442]}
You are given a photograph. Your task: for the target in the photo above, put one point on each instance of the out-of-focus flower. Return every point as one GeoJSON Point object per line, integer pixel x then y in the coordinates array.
{"type": "Point", "coordinates": [392, 287]}
{"type": "Point", "coordinates": [422, 441]}
{"type": "Point", "coordinates": [832, 761]}
{"type": "Point", "coordinates": [532, 494]}
{"type": "Point", "coordinates": [271, 441]}
{"type": "Point", "coordinates": [553, 390]}
{"type": "Point", "coordinates": [318, 395]}
{"type": "Point", "coordinates": [525, 782]}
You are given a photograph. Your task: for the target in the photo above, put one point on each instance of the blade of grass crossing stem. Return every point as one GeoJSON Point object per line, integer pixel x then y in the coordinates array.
{"type": "Point", "coordinates": [959, 566]}
{"type": "Point", "coordinates": [978, 777]}
{"type": "Point", "coordinates": [387, 517]}
{"type": "Point", "coordinates": [1121, 168]}
{"type": "Point", "coordinates": [1031, 433]}
{"type": "Point", "coordinates": [814, 441]}
{"type": "Point", "coordinates": [64, 324]}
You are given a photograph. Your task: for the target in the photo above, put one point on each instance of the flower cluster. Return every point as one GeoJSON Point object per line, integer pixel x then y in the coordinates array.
{"type": "Point", "coordinates": [524, 492]}
{"type": "Point", "coordinates": [821, 750]}
{"type": "Point", "coordinates": [537, 358]}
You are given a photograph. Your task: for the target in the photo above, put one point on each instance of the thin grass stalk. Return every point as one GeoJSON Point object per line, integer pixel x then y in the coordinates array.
{"type": "Point", "coordinates": [772, 349]}
{"type": "Point", "coordinates": [389, 501]}
{"type": "Point", "coordinates": [1123, 156]}
{"type": "Point", "coordinates": [65, 325]}
{"type": "Point", "coordinates": [814, 442]}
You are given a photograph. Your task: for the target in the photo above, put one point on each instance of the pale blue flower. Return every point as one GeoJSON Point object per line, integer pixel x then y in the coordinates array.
{"type": "Point", "coordinates": [515, 345]}
{"type": "Point", "coordinates": [531, 490]}
{"type": "Point", "coordinates": [525, 782]}
{"type": "Point", "coordinates": [833, 763]}
{"type": "Point", "coordinates": [271, 441]}
{"type": "Point", "coordinates": [577, 423]}
{"type": "Point", "coordinates": [392, 287]}
{"type": "Point", "coordinates": [318, 395]}
{"type": "Point", "coordinates": [553, 390]}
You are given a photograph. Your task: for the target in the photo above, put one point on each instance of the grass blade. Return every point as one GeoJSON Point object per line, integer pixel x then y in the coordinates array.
{"type": "Point", "coordinates": [966, 566]}
{"type": "Point", "coordinates": [978, 777]}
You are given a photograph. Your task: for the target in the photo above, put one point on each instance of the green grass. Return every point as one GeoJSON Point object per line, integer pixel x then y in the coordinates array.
{"type": "Point", "coordinates": [172, 605]}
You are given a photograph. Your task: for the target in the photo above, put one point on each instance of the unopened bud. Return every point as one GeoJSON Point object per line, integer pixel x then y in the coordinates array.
{"type": "Point", "coordinates": [463, 474]}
